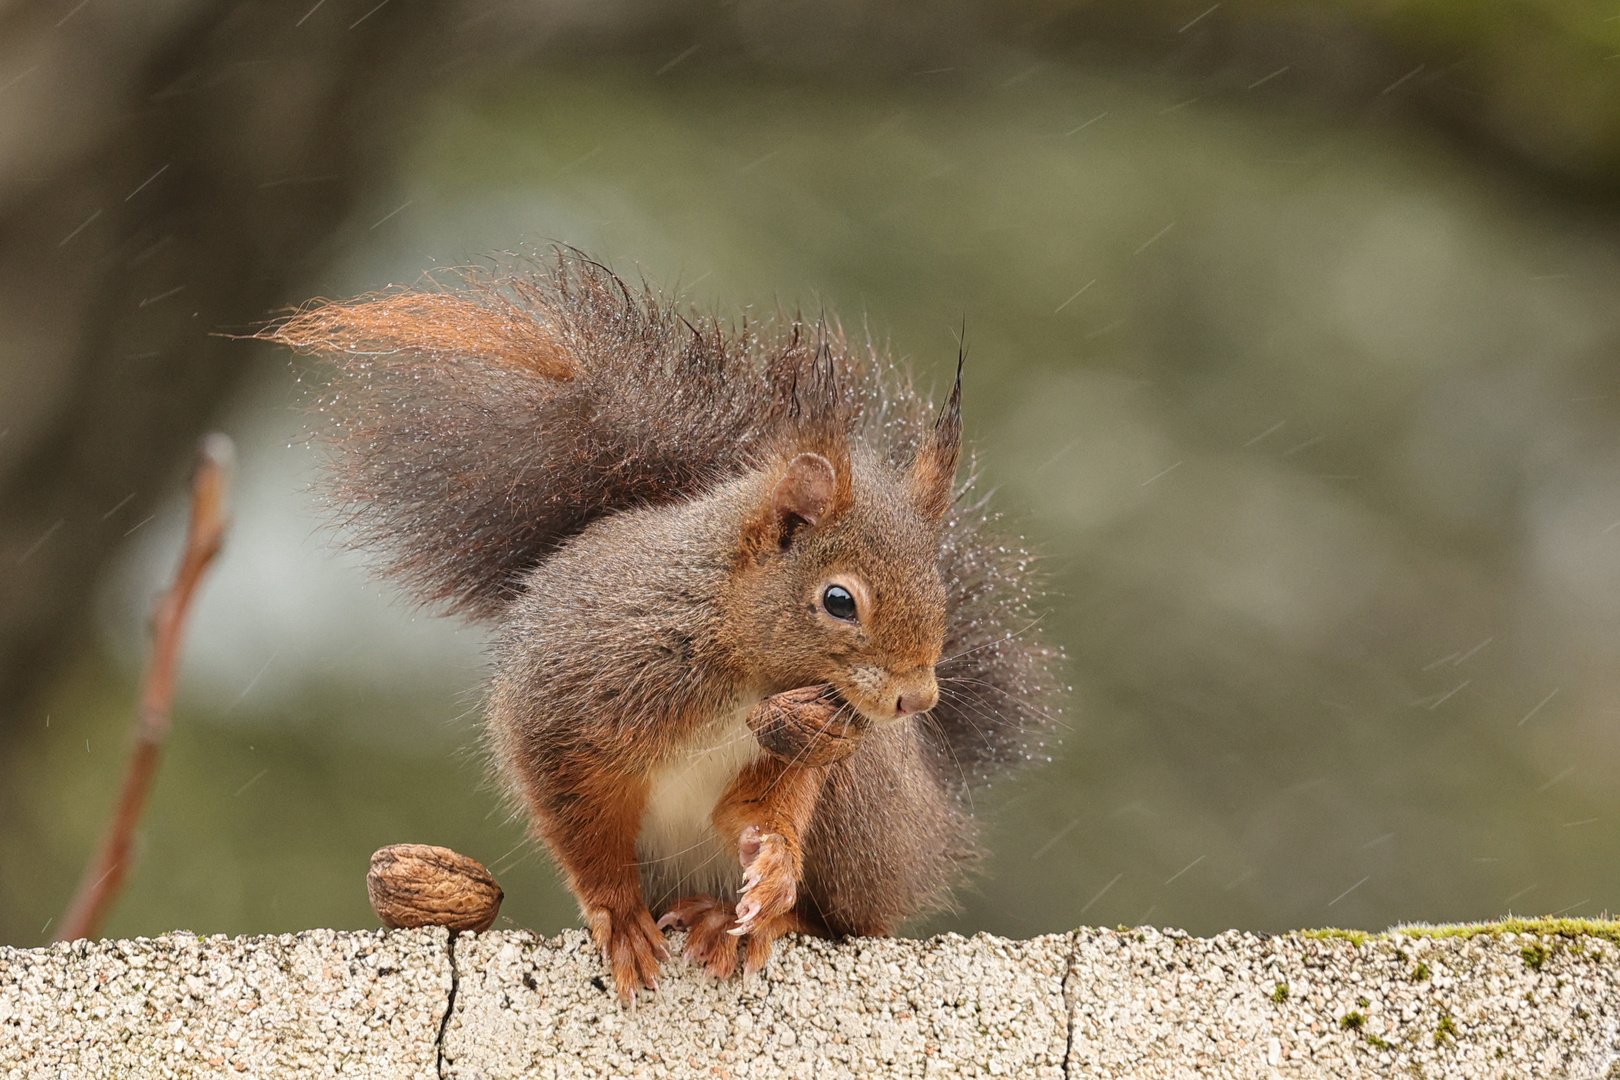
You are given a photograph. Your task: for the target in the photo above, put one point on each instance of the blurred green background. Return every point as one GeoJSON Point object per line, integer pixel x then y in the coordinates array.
{"type": "Point", "coordinates": [1292, 340]}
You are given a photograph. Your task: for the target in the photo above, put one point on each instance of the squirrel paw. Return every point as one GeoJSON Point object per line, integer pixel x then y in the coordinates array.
{"type": "Point", "coordinates": [771, 865]}
{"type": "Point", "coordinates": [762, 939]}
{"type": "Point", "coordinates": [808, 727]}
{"type": "Point", "coordinates": [713, 945]}
{"type": "Point", "coordinates": [631, 944]}
{"type": "Point", "coordinates": [706, 922]}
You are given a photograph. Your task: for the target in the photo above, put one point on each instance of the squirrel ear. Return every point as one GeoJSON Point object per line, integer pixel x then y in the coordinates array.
{"type": "Point", "coordinates": [807, 493]}
{"type": "Point", "coordinates": [934, 473]}
{"type": "Point", "coordinates": [804, 495]}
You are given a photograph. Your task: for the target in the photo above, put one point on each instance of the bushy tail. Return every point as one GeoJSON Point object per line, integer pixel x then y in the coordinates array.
{"type": "Point", "coordinates": [473, 428]}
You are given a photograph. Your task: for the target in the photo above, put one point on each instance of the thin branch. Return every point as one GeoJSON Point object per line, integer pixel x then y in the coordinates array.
{"type": "Point", "coordinates": [104, 876]}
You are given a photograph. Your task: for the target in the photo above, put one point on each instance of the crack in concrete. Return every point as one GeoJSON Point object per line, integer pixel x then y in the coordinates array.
{"type": "Point", "coordinates": [1143, 987]}
{"type": "Point", "coordinates": [1069, 1004]}
{"type": "Point", "coordinates": [449, 1005]}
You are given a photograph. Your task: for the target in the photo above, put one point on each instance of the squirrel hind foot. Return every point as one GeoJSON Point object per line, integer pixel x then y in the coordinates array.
{"type": "Point", "coordinates": [761, 940]}
{"type": "Point", "coordinates": [632, 945]}
{"type": "Point", "coordinates": [711, 939]}
{"type": "Point", "coordinates": [706, 921]}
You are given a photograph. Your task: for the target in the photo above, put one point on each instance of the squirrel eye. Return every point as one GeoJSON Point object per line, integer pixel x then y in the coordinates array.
{"type": "Point", "coordinates": [838, 603]}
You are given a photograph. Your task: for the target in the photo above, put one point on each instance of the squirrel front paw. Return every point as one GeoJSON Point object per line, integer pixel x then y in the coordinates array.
{"type": "Point", "coordinates": [631, 944]}
{"type": "Point", "coordinates": [771, 864]}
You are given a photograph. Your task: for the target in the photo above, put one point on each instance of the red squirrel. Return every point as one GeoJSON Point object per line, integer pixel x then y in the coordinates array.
{"type": "Point", "coordinates": [677, 526]}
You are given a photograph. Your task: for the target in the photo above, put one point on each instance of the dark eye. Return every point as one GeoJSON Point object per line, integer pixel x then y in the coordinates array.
{"type": "Point", "coordinates": [838, 603]}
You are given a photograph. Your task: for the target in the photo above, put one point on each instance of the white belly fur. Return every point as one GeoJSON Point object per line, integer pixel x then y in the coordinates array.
{"type": "Point", "coordinates": [680, 852]}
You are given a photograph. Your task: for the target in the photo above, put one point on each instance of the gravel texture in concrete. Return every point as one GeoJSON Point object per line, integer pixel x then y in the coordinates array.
{"type": "Point", "coordinates": [950, 1006]}
{"type": "Point", "coordinates": [1149, 1004]}
{"type": "Point", "coordinates": [1541, 1003]}
{"type": "Point", "coordinates": [320, 1003]}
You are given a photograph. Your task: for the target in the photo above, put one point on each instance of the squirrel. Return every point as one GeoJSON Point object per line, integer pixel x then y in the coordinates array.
{"type": "Point", "coordinates": [679, 527]}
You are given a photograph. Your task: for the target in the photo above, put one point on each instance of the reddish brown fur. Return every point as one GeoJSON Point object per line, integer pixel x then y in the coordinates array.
{"type": "Point", "coordinates": [934, 474]}
{"type": "Point", "coordinates": [711, 945]}
{"type": "Point", "coordinates": [592, 834]}
{"type": "Point", "coordinates": [431, 324]}
{"type": "Point", "coordinates": [764, 815]}
{"type": "Point", "coordinates": [625, 487]}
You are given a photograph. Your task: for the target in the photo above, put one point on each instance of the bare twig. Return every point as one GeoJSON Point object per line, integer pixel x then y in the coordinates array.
{"type": "Point", "coordinates": [104, 876]}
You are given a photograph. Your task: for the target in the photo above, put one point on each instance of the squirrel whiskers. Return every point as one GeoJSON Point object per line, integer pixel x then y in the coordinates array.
{"type": "Point", "coordinates": [755, 645]}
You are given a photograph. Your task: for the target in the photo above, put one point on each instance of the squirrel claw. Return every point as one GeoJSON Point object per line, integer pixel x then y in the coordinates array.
{"type": "Point", "coordinates": [747, 917]}
{"type": "Point", "coordinates": [770, 878]}
{"type": "Point", "coordinates": [632, 946]}
{"type": "Point", "coordinates": [708, 943]}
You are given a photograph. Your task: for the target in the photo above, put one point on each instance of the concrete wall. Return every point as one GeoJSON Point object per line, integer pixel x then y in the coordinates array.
{"type": "Point", "coordinates": [1095, 1003]}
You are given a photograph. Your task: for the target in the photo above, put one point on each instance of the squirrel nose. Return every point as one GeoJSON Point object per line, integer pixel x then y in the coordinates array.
{"type": "Point", "coordinates": [916, 700]}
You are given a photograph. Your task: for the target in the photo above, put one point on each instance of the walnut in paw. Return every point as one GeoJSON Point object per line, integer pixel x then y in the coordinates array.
{"type": "Point", "coordinates": [807, 727]}
{"type": "Point", "coordinates": [631, 944]}
{"type": "Point", "coordinates": [706, 922]}
{"type": "Point", "coordinates": [771, 865]}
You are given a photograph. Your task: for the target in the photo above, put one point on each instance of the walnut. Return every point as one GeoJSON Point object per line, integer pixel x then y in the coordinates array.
{"type": "Point", "coordinates": [810, 726]}
{"type": "Point", "coordinates": [421, 885]}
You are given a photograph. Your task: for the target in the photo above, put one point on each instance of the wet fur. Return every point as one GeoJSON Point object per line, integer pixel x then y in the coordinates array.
{"type": "Point", "coordinates": [594, 468]}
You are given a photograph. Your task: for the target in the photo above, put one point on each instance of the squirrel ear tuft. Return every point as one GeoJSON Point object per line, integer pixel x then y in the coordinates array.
{"type": "Point", "coordinates": [933, 475]}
